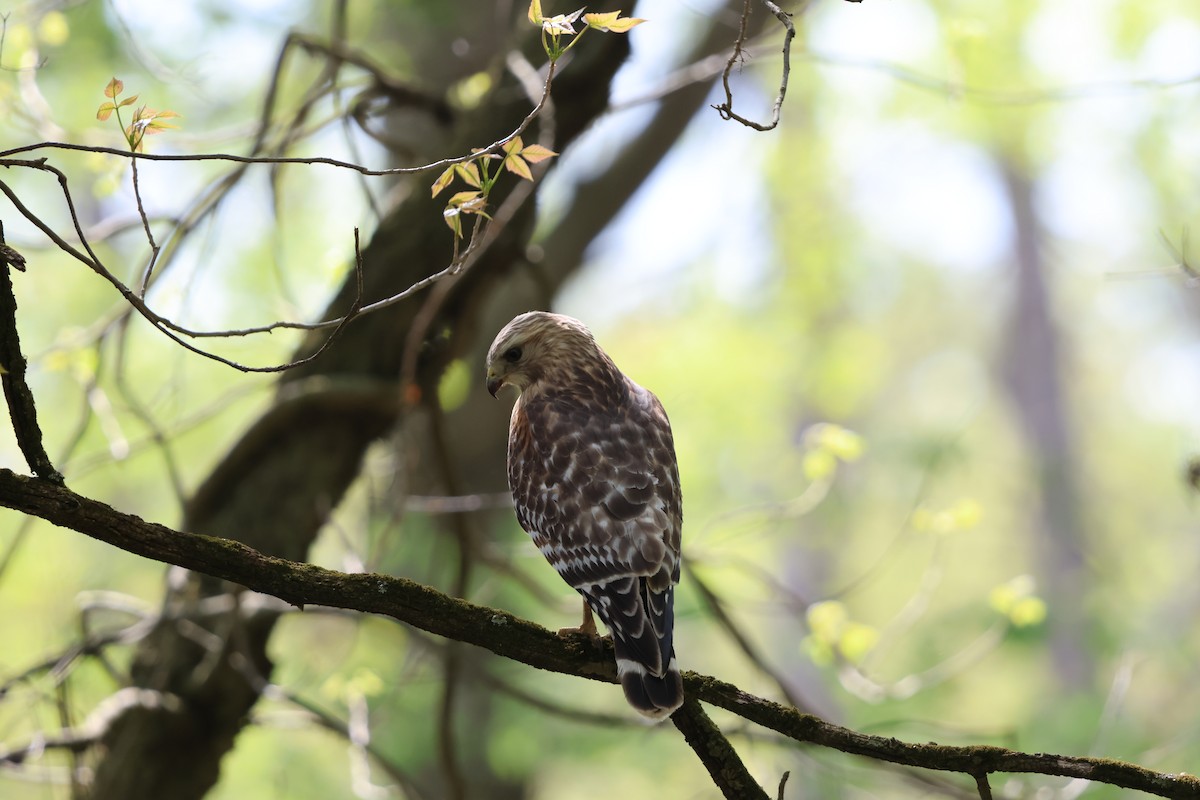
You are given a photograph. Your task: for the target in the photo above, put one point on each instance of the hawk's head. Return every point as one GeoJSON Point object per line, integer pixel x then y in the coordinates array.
{"type": "Point", "coordinates": [537, 347]}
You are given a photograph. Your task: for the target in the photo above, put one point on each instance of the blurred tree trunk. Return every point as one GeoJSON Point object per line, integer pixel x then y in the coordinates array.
{"type": "Point", "coordinates": [1033, 373]}
{"type": "Point", "coordinates": [277, 486]}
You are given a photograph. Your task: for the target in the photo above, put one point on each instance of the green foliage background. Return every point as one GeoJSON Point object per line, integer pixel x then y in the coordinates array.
{"type": "Point", "coordinates": [861, 272]}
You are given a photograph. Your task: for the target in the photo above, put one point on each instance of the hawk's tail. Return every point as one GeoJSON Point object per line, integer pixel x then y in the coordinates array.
{"type": "Point", "coordinates": [654, 696]}
{"type": "Point", "coordinates": [642, 622]}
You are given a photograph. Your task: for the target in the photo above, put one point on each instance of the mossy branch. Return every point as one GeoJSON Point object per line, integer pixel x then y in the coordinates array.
{"type": "Point", "coordinates": [521, 640]}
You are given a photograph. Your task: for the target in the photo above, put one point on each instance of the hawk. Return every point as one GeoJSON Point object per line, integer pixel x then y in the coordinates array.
{"type": "Point", "coordinates": [591, 465]}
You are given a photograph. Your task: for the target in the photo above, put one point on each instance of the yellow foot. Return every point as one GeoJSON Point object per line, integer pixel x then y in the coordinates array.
{"type": "Point", "coordinates": [587, 627]}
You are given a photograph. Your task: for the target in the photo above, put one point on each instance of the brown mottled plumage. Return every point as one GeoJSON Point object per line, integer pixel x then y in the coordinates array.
{"type": "Point", "coordinates": [591, 465]}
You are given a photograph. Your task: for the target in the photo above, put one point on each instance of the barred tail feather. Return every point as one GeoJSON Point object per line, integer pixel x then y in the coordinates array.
{"type": "Point", "coordinates": [650, 695]}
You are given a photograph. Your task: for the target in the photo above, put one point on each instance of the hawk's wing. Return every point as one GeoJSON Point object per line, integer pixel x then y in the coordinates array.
{"type": "Point", "coordinates": [598, 490]}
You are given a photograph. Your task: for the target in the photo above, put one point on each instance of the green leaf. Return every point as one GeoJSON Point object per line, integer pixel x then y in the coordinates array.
{"type": "Point", "coordinates": [455, 385]}
{"type": "Point", "coordinates": [535, 12]}
{"type": "Point", "coordinates": [114, 88]}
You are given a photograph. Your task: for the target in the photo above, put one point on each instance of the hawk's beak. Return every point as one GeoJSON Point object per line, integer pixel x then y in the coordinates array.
{"type": "Point", "coordinates": [494, 384]}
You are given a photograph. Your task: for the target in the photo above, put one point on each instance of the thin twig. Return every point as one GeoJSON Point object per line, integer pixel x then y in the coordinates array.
{"type": "Point", "coordinates": [726, 109]}
{"type": "Point", "coordinates": [716, 607]}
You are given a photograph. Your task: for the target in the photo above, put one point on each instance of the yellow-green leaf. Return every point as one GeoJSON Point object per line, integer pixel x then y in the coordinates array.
{"type": "Point", "coordinates": [841, 442]}
{"type": "Point", "coordinates": [827, 620]}
{"type": "Point", "coordinates": [516, 165]}
{"type": "Point", "coordinates": [460, 199]}
{"type": "Point", "coordinates": [535, 153]}
{"type": "Point", "coordinates": [1005, 597]}
{"type": "Point", "coordinates": [443, 180]}
{"type": "Point", "coordinates": [453, 218]}
{"type": "Point", "coordinates": [857, 640]}
{"type": "Point", "coordinates": [966, 513]}
{"type": "Point", "coordinates": [105, 111]}
{"type": "Point", "coordinates": [1027, 612]}
{"type": "Point", "coordinates": [535, 12]}
{"type": "Point", "coordinates": [455, 385]}
{"type": "Point", "coordinates": [818, 464]}
{"type": "Point", "coordinates": [53, 29]}
{"type": "Point", "coordinates": [469, 173]}
{"type": "Point", "coordinates": [612, 22]}
{"type": "Point", "coordinates": [114, 88]}
{"type": "Point", "coordinates": [819, 651]}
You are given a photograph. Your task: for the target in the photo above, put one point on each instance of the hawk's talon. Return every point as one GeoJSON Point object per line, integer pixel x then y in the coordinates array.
{"type": "Point", "coordinates": [587, 627]}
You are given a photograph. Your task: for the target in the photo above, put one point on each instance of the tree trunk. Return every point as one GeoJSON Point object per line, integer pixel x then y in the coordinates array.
{"type": "Point", "coordinates": [1033, 373]}
{"type": "Point", "coordinates": [275, 488]}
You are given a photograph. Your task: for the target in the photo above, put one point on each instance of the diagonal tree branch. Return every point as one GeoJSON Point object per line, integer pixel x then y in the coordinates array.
{"type": "Point", "coordinates": [521, 640]}
{"type": "Point", "coordinates": [719, 758]}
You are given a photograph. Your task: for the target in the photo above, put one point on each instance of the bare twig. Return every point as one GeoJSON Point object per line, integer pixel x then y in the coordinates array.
{"type": "Point", "coordinates": [726, 109]}
{"type": "Point", "coordinates": [716, 607]}
{"type": "Point", "coordinates": [163, 325]}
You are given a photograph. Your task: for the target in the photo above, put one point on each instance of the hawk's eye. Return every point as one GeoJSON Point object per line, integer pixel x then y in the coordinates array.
{"type": "Point", "coordinates": [512, 355]}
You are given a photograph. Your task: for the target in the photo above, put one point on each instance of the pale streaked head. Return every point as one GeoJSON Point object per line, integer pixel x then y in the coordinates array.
{"type": "Point", "coordinates": [538, 348]}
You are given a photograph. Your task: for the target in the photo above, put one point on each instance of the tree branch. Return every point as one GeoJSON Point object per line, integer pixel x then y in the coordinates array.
{"type": "Point", "coordinates": [726, 109]}
{"type": "Point", "coordinates": [521, 640]}
{"type": "Point", "coordinates": [719, 758]}
{"type": "Point", "coordinates": [21, 408]}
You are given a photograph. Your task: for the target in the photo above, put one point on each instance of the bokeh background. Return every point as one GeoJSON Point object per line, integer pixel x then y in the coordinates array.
{"type": "Point", "coordinates": [930, 348]}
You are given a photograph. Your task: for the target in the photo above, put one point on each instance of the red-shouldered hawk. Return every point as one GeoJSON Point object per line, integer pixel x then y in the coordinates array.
{"type": "Point", "coordinates": [591, 465]}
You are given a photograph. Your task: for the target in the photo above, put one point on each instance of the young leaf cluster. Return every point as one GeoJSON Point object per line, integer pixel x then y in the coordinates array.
{"type": "Point", "coordinates": [559, 34]}
{"type": "Point", "coordinates": [479, 175]}
{"type": "Point", "coordinates": [146, 121]}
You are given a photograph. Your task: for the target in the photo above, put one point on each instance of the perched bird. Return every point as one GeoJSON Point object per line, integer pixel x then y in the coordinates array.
{"type": "Point", "coordinates": [591, 465]}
